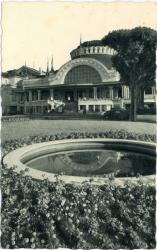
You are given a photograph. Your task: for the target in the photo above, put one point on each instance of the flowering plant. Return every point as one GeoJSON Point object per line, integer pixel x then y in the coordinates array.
{"type": "Point", "coordinates": [42, 214]}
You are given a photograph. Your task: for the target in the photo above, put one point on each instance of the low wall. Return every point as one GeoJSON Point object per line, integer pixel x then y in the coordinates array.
{"type": "Point", "coordinates": [17, 158]}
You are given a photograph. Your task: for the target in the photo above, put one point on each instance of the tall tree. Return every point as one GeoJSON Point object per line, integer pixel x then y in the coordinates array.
{"type": "Point", "coordinates": [135, 60]}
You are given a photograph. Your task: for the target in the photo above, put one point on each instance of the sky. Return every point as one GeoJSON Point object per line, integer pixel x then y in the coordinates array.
{"type": "Point", "coordinates": [34, 31]}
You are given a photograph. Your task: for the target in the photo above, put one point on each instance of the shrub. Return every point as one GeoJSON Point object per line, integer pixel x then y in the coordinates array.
{"type": "Point", "coordinates": [51, 215]}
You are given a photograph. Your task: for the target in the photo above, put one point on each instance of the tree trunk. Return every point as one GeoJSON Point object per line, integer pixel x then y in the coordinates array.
{"type": "Point", "coordinates": [141, 98]}
{"type": "Point", "coordinates": [133, 106]}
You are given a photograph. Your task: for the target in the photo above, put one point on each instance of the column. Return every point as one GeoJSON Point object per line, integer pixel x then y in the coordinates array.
{"type": "Point", "coordinates": [30, 95]}
{"type": "Point", "coordinates": [153, 91]}
{"type": "Point", "coordinates": [24, 97]}
{"type": "Point", "coordinates": [95, 92]}
{"type": "Point", "coordinates": [115, 92]}
{"type": "Point", "coordinates": [111, 92]}
{"type": "Point", "coordinates": [87, 108]}
{"type": "Point", "coordinates": [42, 109]}
{"type": "Point", "coordinates": [51, 94]}
{"type": "Point", "coordinates": [127, 92]}
{"type": "Point", "coordinates": [104, 93]}
{"type": "Point", "coordinates": [124, 92]}
{"type": "Point", "coordinates": [35, 109]}
{"type": "Point", "coordinates": [39, 95]}
{"type": "Point", "coordinates": [84, 93]}
{"type": "Point", "coordinates": [25, 109]}
{"type": "Point", "coordinates": [87, 93]}
{"type": "Point", "coordinates": [75, 94]}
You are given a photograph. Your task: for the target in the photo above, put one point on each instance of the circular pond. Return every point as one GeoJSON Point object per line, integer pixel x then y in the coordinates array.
{"type": "Point", "coordinates": [83, 159]}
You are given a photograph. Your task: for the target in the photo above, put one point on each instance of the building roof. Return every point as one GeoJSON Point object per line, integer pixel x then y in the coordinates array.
{"type": "Point", "coordinates": [21, 72]}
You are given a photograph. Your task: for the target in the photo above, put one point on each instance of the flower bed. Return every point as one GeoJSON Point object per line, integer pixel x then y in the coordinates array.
{"type": "Point", "coordinates": [10, 145]}
{"type": "Point", "coordinates": [15, 118]}
{"type": "Point", "coordinates": [40, 214]}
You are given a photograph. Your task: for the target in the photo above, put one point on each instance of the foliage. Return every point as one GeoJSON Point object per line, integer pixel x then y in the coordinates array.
{"type": "Point", "coordinates": [50, 215]}
{"type": "Point", "coordinates": [41, 214]}
{"type": "Point", "coordinates": [10, 145]}
{"type": "Point", "coordinates": [133, 47]}
{"type": "Point", "coordinates": [91, 43]}
{"type": "Point", "coordinates": [135, 59]}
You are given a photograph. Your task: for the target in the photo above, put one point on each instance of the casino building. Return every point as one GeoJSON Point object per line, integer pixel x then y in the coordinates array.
{"type": "Point", "coordinates": [86, 83]}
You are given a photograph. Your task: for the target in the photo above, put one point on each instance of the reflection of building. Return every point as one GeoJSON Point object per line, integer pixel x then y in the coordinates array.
{"type": "Point", "coordinates": [88, 82]}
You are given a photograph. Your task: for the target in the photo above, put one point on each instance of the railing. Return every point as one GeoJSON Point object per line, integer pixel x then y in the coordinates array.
{"type": "Point", "coordinates": [149, 96]}
{"type": "Point", "coordinates": [99, 100]}
{"type": "Point", "coordinates": [39, 102]}
{"type": "Point", "coordinates": [92, 49]}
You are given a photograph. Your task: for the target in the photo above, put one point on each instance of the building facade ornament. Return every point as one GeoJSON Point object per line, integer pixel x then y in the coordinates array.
{"type": "Point", "coordinates": [105, 74]}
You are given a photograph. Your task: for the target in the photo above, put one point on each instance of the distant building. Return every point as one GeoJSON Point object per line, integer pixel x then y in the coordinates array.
{"type": "Point", "coordinates": [12, 101]}
{"type": "Point", "coordinates": [88, 82]}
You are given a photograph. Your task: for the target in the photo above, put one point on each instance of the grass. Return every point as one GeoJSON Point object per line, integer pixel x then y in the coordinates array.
{"type": "Point", "coordinates": [17, 130]}
{"type": "Point", "coordinates": [146, 118]}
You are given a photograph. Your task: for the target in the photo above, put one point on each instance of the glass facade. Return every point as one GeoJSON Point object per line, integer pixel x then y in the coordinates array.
{"type": "Point", "coordinates": [82, 74]}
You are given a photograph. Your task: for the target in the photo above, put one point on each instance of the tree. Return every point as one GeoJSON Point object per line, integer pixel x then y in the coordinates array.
{"type": "Point", "coordinates": [135, 60]}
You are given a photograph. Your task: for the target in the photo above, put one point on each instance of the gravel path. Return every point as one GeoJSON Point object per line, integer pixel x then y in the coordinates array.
{"type": "Point", "coordinates": [12, 130]}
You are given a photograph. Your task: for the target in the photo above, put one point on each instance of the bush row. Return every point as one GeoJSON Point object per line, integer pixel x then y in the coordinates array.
{"type": "Point", "coordinates": [51, 215]}
{"type": "Point", "coordinates": [10, 145]}
{"type": "Point", "coordinates": [15, 118]}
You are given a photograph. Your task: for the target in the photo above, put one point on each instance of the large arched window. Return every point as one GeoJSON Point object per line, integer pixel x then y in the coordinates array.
{"type": "Point", "coordinates": [82, 74]}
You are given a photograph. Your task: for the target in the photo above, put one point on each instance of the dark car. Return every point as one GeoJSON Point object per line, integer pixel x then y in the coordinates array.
{"type": "Point", "coordinates": [117, 114]}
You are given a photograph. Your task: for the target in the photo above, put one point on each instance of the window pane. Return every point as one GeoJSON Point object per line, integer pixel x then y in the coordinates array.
{"type": "Point", "coordinates": [82, 74]}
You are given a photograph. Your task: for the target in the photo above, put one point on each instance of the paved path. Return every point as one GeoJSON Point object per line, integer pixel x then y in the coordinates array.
{"type": "Point", "coordinates": [12, 130]}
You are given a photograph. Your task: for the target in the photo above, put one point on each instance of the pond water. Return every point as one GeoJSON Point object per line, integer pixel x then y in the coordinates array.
{"type": "Point", "coordinates": [100, 162]}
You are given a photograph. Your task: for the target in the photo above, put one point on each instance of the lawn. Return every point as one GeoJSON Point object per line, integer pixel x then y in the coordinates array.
{"type": "Point", "coordinates": [20, 129]}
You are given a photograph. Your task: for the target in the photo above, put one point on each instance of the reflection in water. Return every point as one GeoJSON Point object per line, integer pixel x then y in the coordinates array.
{"type": "Point", "coordinates": [95, 163]}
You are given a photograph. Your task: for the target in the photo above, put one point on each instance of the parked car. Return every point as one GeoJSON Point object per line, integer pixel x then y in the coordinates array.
{"type": "Point", "coordinates": [102, 113]}
{"type": "Point", "coordinates": [147, 111]}
{"type": "Point", "coordinates": [117, 114]}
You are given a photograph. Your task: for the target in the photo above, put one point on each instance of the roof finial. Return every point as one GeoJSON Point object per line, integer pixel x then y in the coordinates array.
{"type": "Point", "coordinates": [25, 63]}
{"type": "Point", "coordinates": [52, 69]}
{"type": "Point", "coordinates": [80, 40]}
{"type": "Point", "coordinates": [47, 71]}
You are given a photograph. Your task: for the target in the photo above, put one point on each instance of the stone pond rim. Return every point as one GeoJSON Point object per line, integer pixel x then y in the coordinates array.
{"type": "Point", "coordinates": [20, 156]}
